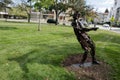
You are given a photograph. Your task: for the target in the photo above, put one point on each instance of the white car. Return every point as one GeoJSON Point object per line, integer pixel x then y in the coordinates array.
{"type": "Point", "coordinates": [106, 25]}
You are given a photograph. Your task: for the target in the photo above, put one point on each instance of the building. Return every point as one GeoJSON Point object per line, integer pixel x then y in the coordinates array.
{"type": "Point", "coordinates": [115, 10]}
{"type": "Point", "coordinates": [43, 15]}
{"type": "Point", "coordinates": [105, 16]}
{"type": "Point", "coordinates": [102, 17]}
{"type": "Point", "coordinates": [3, 14]}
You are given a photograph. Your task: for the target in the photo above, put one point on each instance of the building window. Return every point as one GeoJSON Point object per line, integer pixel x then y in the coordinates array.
{"type": "Point", "coordinates": [118, 14]}
{"type": "Point", "coordinates": [115, 2]}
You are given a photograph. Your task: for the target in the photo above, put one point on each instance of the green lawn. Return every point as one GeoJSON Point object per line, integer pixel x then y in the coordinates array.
{"type": "Point", "coordinates": [28, 54]}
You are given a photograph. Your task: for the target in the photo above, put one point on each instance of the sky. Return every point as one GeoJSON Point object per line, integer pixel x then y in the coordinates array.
{"type": "Point", "coordinates": [100, 5]}
{"type": "Point", "coordinates": [16, 1]}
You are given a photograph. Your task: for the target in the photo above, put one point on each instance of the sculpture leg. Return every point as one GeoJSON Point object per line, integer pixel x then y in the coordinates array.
{"type": "Point", "coordinates": [84, 57]}
{"type": "Point", "coordinates": [83, 45]}
{"type": "Point", "coordinates": [86, 49]}
{"type": "Point", "coordinates": [92, 52]}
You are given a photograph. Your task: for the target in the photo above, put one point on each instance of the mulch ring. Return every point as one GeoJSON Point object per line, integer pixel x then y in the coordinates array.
{"type": "Point", "coordinates": [94, 72]}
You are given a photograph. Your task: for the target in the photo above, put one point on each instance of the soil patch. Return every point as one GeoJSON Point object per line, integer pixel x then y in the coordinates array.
{"type": "Point", "coordinates": [94, 72]}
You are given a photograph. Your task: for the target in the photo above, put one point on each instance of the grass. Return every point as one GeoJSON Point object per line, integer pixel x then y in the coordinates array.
{"type": "Point", "coordinates": [28, 54]}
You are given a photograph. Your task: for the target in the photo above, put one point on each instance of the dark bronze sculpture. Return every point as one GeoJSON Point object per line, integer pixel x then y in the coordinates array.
{"type": "Point", "coordinates": [83, 38]}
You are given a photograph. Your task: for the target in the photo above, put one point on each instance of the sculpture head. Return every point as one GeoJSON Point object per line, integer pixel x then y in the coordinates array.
{"type": "Point", "coordinates": [76, 15]}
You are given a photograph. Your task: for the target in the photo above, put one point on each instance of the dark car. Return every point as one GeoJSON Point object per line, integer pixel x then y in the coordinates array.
{"type": "Point", "coordinates": [51, 21]}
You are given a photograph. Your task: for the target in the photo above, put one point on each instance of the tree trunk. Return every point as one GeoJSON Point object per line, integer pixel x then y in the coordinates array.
{"type": "Point", "coordinates": [56, 17]}
{"type": "Point", "coordinates": [39, 20]}
{"type": "Point", "coordinates": [29, 17]}
{"type": "Point", "coordinates": [6, 15]}
{"type": "Point", "coordinates": [29, 13]}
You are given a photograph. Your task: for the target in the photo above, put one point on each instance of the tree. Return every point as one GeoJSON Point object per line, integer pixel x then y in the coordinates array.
{"type": "Point", "coordinates": [4, 5]}
{"type": "Point", "coordinates": [85, 10]}
{"type": "Point", "coordinates": [77, 5]}
{"type": "Point", "coordinates": [90, 14]}
{"type": "Point", "coordinates": [106, 11]}
{"type": "Point", "coordinates": [39, 5]}
{"type": "Point", "coordinates": [27, 7]}
{"type": "Point", "coordinates": [80, 5]}
{"type": "Point", "coordinates": [59, 7]}
{"type": "Point", "coordinates": [16, 11]}
{"type": "Point", "coordinates": [112, 20]}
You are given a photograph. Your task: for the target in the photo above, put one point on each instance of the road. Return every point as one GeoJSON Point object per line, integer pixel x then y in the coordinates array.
{"type": "Point", "coordinates": [113, 29]}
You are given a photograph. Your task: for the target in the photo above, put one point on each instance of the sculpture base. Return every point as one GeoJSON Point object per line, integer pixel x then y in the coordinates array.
{"type": "Point", "coordinates": [87, 64]}
{"type": "Point", "coordinates": [87, 71]}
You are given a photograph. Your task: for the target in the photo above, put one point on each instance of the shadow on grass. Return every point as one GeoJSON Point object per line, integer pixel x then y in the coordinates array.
{"type": "Point", "coordinates": [22, 60]}
{"type": "Point", "coordinates": [44, 59]}
{"type": "Point", "coordinates": [7, 28]}
{"type": "Point", "coordinates": [49, 57]}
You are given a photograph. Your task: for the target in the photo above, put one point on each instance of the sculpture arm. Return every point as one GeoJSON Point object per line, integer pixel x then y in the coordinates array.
{"type": "Point", "coordinates": [79, 26]}
{"type": "Point", "coordinates": [88, 29]}
{"type": "Point", "coordinates": [82, 28]}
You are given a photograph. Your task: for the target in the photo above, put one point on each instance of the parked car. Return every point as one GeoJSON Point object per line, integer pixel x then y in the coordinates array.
{"type": "Point", "coordinates": [51, 21]}
{"type": "Point", "coordinates": [106, 25]}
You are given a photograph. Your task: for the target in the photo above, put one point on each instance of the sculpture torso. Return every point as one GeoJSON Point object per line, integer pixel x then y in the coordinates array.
{"type": "Point", "coordinates": [79, 32]}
